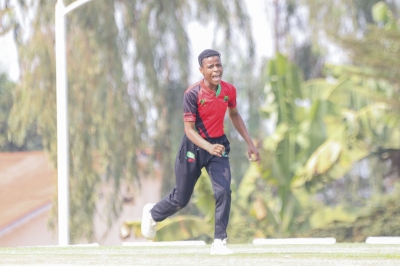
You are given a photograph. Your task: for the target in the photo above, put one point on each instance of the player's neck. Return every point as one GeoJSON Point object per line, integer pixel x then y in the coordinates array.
{"type": "Point", "coordinates": [210, 86]}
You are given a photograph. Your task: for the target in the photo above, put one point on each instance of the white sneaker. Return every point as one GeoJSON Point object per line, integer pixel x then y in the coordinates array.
{"type": "Point", "coordinates": [219, 248]}
{"type": "Point", "coordinates": [148, 225]}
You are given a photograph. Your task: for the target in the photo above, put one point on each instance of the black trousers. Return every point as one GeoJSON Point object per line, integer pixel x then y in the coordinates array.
{"type": "Point", "coordinates": [188, 164]}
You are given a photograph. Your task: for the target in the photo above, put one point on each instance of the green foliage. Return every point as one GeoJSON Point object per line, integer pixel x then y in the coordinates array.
{"type": "Point", "coordinates": [381, 217]}
{"type": "Point", "coordinates": [184, 228]}
{"type": "Point", "coordinates": [7, 17]}
{"type": "Point", "coordinates": [265, 195]}
{"type": "Point", "coordinates": [350, 26]}
{"type": "Point", "coordinates": [338, 18]}
{"type": "Point", "coordinates": [349, 117]}
{"type": "Point", "coordinates": [323, 128]}
{"type": "Point", "coordinates": [357, 126]}
{"type": "Point", "coordinates": [254, 211]}
{"type": "Point", "coordinates": [5, 106]}
{"type": "Point", "coordinates": [382, 14]}
{"type": "Point", "coordinates": [127, 71]}
{"type": "Point", "coordinates": [31, 139]}
{"type": "Point", "coordinates": [126, 65]}
{"type": "Point", "coordinates": [250, 97]}
{"type": "Point", "coordinates": [377, 51]}
{"type": "Point", "coordinates": [346, 121]}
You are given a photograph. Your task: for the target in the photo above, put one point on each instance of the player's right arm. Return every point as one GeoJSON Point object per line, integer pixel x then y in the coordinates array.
{"type": "Point", "coordinates": [191, 133]}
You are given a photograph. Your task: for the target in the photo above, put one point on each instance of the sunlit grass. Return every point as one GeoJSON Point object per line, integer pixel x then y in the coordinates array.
{"type": "Point", "coordinates": [338, 254]}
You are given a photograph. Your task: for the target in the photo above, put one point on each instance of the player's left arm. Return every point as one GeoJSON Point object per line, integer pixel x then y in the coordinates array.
{"type": "Point", "coordinates": [238, 123]}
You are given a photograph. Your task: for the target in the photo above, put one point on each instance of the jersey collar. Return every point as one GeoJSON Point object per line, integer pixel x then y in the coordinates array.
{"type": "Point", "coordinates": [218, 90]}
{"type": "Point", "coordinates": [210, 91]}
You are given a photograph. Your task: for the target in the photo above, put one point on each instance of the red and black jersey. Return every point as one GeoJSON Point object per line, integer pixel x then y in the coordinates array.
{"type": "Point", "coordinates": [207, 108]}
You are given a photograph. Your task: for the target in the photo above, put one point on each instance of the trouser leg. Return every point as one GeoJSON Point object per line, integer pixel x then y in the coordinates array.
{"type": "Point", "coordinates": [218, 169]}
{"type": "Point", "coordinates": [187, 173]}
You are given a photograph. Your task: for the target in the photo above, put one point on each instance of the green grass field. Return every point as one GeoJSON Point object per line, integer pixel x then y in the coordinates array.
{"type": "Point", "coordinates": [255, 255]}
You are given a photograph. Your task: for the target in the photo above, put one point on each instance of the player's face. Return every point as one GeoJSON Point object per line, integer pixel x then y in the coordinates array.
{"type": "Point", "coordinates": [212, 71]}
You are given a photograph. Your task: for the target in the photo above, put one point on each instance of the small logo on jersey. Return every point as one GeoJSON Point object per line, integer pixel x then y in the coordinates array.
{"type": "Point", "coordinates": [190, 157]}
{"type": "Point", "coordinates": [202, 101]}
{"type": "Point", "coordinates": [226, 98]}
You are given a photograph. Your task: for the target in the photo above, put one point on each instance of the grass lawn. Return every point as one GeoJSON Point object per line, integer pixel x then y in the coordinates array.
{"type": "Point", "coordinates": [255, 255]}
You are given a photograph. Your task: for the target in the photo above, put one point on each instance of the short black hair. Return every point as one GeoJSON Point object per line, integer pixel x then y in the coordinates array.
{"type": "Point", "coordinates": [207, 53]}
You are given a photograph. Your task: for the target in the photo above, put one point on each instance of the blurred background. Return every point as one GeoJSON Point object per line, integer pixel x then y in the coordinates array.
{"type": "Point", "coordinates": [318, 87]}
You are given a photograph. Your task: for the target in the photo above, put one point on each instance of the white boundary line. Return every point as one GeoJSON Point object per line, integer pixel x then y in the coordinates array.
{"type": "Point", "coordinates": [295, 241]}
{"type": "Point", "coordinates": [388, 240]}
{"type": "Point", "coordinates": [164, 243]}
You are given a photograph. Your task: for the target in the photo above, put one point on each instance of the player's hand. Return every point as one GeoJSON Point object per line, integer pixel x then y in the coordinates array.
{"type": "Point", "coordinates": [216, 149]}
{"type": "Point", "coordinates": [253, 154]}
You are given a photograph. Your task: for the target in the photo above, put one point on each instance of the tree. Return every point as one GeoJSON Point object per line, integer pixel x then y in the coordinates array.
{"type": "Point", "coordinates": [6, 24]}
{"type": "Point", "coordinates": [373, 106]}
{"type": "Point", "coordinates": [310, 31]}
{"type": "Point", "coordinates": [293, 37]}
{"type": "Point", "coordinates": [378, 47]}
{"type": "Point", "coordinates": [32, 140]}
{"type": "Point", "coordinates": [282, 152]}
{"type": "Point", "coordinates": [320, 135]}
{"type": "Point", "coordinates": [126, 64]}
{"type": "Point", "coordinates": [5, 106]}
{"type": "Point", "coordinates": [323, 129]}
{"type": "Point", "coordinates": [367, 130]}
{"type": "Point", "coordinates": [349, 27]}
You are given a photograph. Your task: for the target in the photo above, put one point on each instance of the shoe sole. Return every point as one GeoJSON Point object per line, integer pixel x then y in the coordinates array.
{"type": "Point", "coordinates": [220, 253]}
